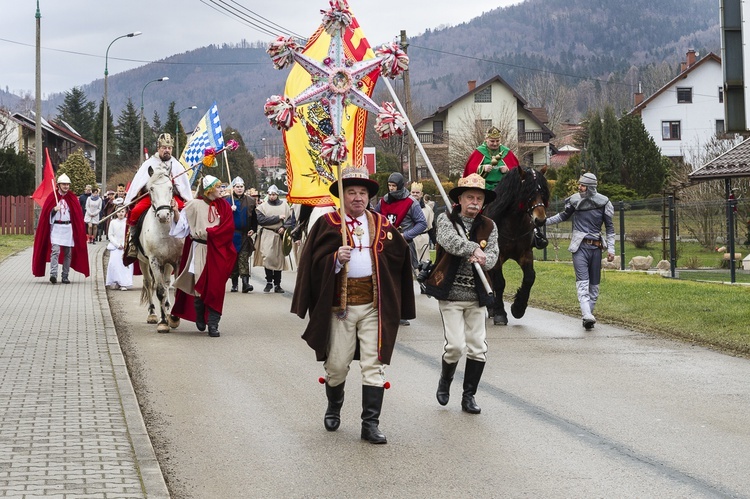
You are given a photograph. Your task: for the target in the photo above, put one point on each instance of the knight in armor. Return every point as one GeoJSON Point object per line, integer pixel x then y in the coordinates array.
{"type": "Point", "coordinates": [491, 159]}
{"type": "Point", "coordinates": [245, 226]}
{"type": "Point", "coordinates": [589, 210]}
{"type": "Point", "coordinates": [182, 192]}
{"type": "Point", "coordinates": [404, 213]}
{"type": "Point", "coordinates": [274, 218]}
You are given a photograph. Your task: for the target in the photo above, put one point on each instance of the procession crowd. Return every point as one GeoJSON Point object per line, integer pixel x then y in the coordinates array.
{"type": "Point", "coordinates": [355, 266]}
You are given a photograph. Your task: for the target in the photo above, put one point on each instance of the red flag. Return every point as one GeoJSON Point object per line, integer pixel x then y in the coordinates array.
{"type": "Point", "coordinates": [48, 182]}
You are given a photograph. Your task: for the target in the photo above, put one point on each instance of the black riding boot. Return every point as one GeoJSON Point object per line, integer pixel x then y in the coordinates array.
{"type": "Point", "coordinates": [372, 401]}
{"type": "Point", "coordinates": [235, 279]}
{"type": "Point", "coordinates": [335, 395]}
{"type": "Point", "coordinates": [246, 286]}
{"type": "Point", "coordinates": [213, 323]}
{"type": "Point", "coordinates": [444, 385]}
{"type": "Point", "coordinates": [200, 313]}
{"type": "Point", "coordinates": [472, 375]}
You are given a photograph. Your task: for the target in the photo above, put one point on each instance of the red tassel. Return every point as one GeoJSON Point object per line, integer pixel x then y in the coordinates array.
{"type": "Point", "coordinates": [322, 380]}
{"type": "Point", "coordinates": [387, 385]}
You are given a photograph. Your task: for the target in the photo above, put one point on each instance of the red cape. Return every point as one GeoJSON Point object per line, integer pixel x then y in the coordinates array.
{"type": "Point", "coordinates": [476, 158]}
{"type": "Point", "coordinates": [42, 245]}
{"type": "Point", "coordinates": [220, 258]}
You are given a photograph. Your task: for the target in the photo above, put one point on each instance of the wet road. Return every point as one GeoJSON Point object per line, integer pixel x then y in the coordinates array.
{"type": "Point", "coordinates": [565, 413]}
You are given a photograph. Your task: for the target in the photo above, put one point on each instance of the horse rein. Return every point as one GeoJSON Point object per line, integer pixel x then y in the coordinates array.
{"type": "Point", "coordinates": [164, 206]}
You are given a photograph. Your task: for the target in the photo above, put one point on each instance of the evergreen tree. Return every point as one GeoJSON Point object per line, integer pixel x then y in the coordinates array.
{"type": "Point", "coordinates": [174, 127]}
{"type": "Point", "coordinates": [129, 137]}
{"type": "Point", "coordinates": [17, 172]}
{"type": "Point", "coordinates": [78, 112]}
{"type": "Point", "coordinates": [78, 168]}
{"type": "Point", "coordinates": [156, 125]}
{"type": "Point", "coordinates": [644, 168]}
{"type": "Point", "coordinates": [595, 147]}
{"type": "Point", "coordinates": [241, 161]}
{"type": "Point", "coordinates": [610, 160]}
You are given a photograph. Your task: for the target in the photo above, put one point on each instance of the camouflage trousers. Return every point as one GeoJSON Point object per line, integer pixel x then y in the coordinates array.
{"type": "Point", "coordinates": [242, 265]}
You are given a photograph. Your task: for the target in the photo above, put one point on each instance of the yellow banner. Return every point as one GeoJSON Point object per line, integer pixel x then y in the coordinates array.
{"type": "Point", "coordinates": [308, 175]}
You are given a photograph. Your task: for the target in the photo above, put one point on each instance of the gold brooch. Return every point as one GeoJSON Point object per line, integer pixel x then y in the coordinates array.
{"type": "Point", "coordinates": [483, 244]}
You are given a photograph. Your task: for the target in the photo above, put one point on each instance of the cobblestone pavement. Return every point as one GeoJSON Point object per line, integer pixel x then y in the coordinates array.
{"type": "Point", "coordinates": [70, 424]}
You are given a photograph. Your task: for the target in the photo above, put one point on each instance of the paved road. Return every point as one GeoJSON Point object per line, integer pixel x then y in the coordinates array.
{"type": "Point", "coordinates": [611, 413]}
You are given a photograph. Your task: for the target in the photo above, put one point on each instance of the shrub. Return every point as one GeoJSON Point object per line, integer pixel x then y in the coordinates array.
{"type": "Point", "coordinates": [642, 237]}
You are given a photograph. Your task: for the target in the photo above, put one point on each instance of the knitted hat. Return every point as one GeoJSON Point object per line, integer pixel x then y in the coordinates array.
{"type": "Point", "coordinates": [352, 175]}
{"type": "Point", "coordinates": [473, 181]}
{"type": "Point", "coordinates": [398, 179]}
{"type": "Point", "coordinates": [588, 179]}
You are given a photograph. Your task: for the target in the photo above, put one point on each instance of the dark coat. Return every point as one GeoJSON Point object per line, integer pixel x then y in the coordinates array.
{"type": "Point", "coordinates": [319, 288]}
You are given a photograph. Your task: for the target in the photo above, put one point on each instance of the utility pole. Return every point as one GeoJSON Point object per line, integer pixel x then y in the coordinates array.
{"type": "Point", "coordinates": [39, 152]}
{"type": "Point", "coordinates": [409, 115]}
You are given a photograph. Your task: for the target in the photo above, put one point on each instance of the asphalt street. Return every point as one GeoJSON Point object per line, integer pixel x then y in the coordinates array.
{"type": "Point", "coordinates": [565, 413]}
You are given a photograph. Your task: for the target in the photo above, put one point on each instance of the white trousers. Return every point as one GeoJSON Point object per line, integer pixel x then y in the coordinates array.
{"type": "Point", "coordinates": [360, 324]}
{"type": "Point", "coordinates": [465, 330]}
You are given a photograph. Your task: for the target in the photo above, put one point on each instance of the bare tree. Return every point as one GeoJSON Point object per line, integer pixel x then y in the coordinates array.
{"type": "Point", "coordinates": [550, 92]}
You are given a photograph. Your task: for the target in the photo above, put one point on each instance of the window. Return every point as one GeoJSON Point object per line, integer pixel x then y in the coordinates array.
{"type": "Point", "coordinates": [670, 130]}
{"type": "Point", "coordinates": [720, 127]}
{"type": "Point", "coordinates": [484, 95]}
{"type": "Point", "coordinates": [684, 95]}
{"type": "Point", "coordinates": [484, 125]}
{"type": "Point", "coordinates": [721, 94]}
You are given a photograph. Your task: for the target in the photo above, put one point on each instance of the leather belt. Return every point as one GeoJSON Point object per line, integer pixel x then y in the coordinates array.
{"type": "Point", "coordinates": [593, 242]}
{"type": "Point", "coordinates": [200, 241]}
{"type": "Point", "coordinates": [62, 222]}
{"type": "Point", "coordinates": [359, 290]}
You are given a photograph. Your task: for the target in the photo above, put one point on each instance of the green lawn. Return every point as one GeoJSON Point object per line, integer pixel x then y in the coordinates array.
{"type": "Point", "coordinates": [10, 244]}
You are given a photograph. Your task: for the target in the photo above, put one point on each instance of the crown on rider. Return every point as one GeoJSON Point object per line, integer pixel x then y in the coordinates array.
{"type": "Point", "coordinates": [493, 132]}
{"type": "Point", "coordinates": [166, 140]}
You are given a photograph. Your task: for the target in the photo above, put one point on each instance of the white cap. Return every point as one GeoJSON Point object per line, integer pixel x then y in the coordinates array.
{"type": "Point", "coordinates": [63, 179]}
{"type": "Point", "coordinates": [209, 181]}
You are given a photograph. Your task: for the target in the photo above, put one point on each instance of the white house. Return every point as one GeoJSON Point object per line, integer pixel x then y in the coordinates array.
{"type": "Point", "coordinates": [684, 114]}
{"type": "Point", "coordinates": [450, 133]}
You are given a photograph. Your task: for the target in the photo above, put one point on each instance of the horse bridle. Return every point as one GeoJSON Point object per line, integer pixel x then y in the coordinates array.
{"type": "Point", "coordinates": [528, 211]}
{"type": "Point", "coordinates": [164, 206]}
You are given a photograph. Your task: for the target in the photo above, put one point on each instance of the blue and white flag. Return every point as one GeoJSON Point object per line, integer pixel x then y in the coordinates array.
{"type": "Point", "coordinates": [207, 133]}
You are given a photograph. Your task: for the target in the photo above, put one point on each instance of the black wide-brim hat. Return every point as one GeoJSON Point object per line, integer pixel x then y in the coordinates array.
{"type": "Point", "coordinates": [473, 181]}
{"type": "Point", "coordinates": [353, 176]}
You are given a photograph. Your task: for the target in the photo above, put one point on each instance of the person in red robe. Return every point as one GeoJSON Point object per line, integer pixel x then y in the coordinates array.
{"type": "Point", "coordinates": [491, 159]}
{"type": "Point", "coordinates": [355, 294]}
{"type": "Point", "coordinates": [60, 235]}
{"type": "Point", "coordinates": [207, 224]}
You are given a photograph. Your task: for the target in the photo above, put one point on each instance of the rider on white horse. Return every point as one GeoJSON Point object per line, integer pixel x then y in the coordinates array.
{"type": "Point", "coordinates": [181, 182]}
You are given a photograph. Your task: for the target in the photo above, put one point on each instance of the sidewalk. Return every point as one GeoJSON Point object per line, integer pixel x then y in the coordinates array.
{"type": "Point", "coordinates": [70, 423]}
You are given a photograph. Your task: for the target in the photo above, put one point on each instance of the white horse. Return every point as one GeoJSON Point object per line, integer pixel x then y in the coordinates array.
{"type": "Point", "coordinates": [159, 253]}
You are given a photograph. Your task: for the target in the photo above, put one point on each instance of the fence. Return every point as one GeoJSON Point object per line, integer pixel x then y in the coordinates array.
{"type": "Point", "coordinates": [686, 233]}
{"type": "Point", "coordinates": [16, 215]}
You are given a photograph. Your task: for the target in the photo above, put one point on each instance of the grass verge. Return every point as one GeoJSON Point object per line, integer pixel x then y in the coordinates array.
{"type": "Point", "coordinates": [11, 243]}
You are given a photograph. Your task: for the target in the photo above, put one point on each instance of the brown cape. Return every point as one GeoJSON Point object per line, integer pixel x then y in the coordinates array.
{"type": "Point", "coordinates": [318, 285]}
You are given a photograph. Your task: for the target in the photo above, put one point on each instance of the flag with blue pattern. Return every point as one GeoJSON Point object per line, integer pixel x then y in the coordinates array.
{"type": "Point", "coordinates": [206, 134]}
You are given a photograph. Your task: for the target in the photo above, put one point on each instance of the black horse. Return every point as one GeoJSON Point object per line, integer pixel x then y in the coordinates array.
{"type": "Point", "coordinates": [520, 207]}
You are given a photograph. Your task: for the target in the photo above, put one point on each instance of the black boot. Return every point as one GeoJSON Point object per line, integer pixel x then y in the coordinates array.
{"type": "Point", "coordinates": [472, 375]}
{"type": "Point", "coordinates": [246, 286]}
{"type": "Point", "coordinates": [372, 401]}
{"type": "Point", "coordinates": [335, 395]}
{"type": "Point", "coordinates": [200, 313]}
{"type": "Point", "coordinates": [234, 284]}
{"type": "Point", "coordinates": [213, 323]}
{"type": "Point", "coordinates": [444, 385]}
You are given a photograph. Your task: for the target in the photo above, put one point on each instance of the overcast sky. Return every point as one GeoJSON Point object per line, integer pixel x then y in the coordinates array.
{"type": "Point", "coordinates": [75, 33]}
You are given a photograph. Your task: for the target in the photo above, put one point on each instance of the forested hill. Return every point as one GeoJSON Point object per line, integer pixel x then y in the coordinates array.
{"type": "Point", "coordinates": [584, 39]}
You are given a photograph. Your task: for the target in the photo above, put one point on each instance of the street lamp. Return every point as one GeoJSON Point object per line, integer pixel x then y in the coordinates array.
{"type": "Point", "coordinates": [163, 78]}
{"type": "Point", "coordinates": [104, 108]}
{"type": "Point", "coordinates": [177, 132]}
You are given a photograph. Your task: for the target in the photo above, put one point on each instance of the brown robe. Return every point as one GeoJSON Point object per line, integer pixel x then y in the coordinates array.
{"type": "Point", "coordinates": [319, 288]}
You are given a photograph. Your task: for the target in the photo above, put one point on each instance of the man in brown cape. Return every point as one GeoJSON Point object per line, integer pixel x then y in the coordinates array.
{"type": "Point", "coordinates": [356, 293]}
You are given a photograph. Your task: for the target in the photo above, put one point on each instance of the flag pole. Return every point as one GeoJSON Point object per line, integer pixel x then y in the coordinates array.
{"type": "Point", "coordinates": [52, 180]}
{"type": "Point", "coordinates": [342, 214]}
{"type": "Point", "coordinates": [434, 175]}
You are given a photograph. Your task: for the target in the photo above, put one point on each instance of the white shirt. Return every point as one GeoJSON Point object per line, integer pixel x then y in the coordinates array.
{"type": "Point", "coordinates": [62, 234]}
{"type": "Point", "coordinates": [181, 182]}
{"type": "Point", "coordinates": [360, 264]}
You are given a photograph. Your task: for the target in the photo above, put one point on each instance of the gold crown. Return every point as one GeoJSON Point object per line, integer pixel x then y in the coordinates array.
{"type": "Point", "coordinates": [493, 133]}
{"type": "Point", "coordinates": [416, 186]}
{"type": "Point", "coordinates": [166, 140]}
{"type": "Point", "coordinates": [473, 181]}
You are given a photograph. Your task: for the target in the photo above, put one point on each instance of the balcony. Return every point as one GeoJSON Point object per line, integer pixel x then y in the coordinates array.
{"type": "Point", "coordinates": [533, 136]}
{"type": "Point", "coordinates": [433, 138]}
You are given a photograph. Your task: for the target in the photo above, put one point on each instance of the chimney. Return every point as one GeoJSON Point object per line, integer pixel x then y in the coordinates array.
{"type": "Point", "coordinates": [683, 67]}
{"type": "Point", "coordinates": [472, 85]}
{"type": "Point", "coordinates": [638, 96]}
{"type": "Point", "coordinates": [691, 57]}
